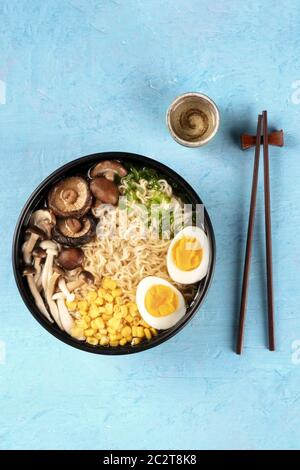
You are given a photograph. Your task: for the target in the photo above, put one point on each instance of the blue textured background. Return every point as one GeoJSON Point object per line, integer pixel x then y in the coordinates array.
{"type": "Point", "coordinates": [84, 76]}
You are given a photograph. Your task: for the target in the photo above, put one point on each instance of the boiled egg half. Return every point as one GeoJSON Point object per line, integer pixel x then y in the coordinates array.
{"type": "Point", "coordinates": [188, 256]}
{"type": "Point", "coordinates": [160, 304]}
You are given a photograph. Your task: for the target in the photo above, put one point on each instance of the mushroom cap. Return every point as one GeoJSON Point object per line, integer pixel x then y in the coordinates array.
{"type": "Point", "coordinates": [29, 271]}
{"type": "Point", "coordinates": [43, 219]}
{"type": "Point", "coordinates": [104, 190]}
{"type": "Point", "coordinates": [37, 231]}
{"type": "Point", "coordinates": [48, 245]}
{"type": "Point", "coordinates": [74, 232]}
{"type": "Point", "coordinates": [87, 277]}
{"type": "Point", "coordinates": [70, 258]}
{"type": "Point", "coordinates": [38, 252]}
{"type": "Point", "coordinates": [70, 226]}
{"type": "Point", "coordinates": [58, 270]}
{"type": "Point", "coordinates": [70, 197]}
{"type": "Point", "coordinates": [108, 168]}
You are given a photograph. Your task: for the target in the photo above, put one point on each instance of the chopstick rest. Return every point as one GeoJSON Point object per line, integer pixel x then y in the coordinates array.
{"type": "Point", "coordinates": [247, 141]}
{"type": "Point", "coordinates": [275, 138]}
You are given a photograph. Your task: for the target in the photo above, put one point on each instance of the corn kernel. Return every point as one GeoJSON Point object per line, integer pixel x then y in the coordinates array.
{"type": "Point", "coordinates": [89, 332]}
{"type": "Point", "coordinates": [92, 340]}
{"type": "Point", "coordinates": [129, 318]}
{"type": "Point", "coordinates": [112, 284]}
{"type": "Point", "coordinates": [93, 311]}
{"type": "Point", "coordinates": [126, 331]}
{"type": "Point", "coordinates": [147, 333]}
{"type": "Point", "coordinates": [71, 306]}
{"type": "Point", "coordinates": [77, 332]}
{"type": "Point", "coordinates": [91, 296]}
{"type": "Point", "coordinates": [94, 325]}
{"type": "Point", "coordinates": [154, 331]}
{"type": "Point", "coordinates": [136, 320]}
{"type": "Point", "coordinates": [106, 316]}
{"type": "Point", "coordinates": [114, 343]}
{"type": "Point", "coordinates": [94, 315]}
{"type": "Point", "coordinates": [129, 339]}
{"type": "Point", "coordinates": [82, 323]}
{"type": "Point", "coordinates": [98, 323]}
{"type": "Point", "coordinates": [123, 341]}
{"type": "Point", "coordinates": [140, 332]}
{"type": "Point", "coordinates": [135, 341]}
{"type": "Point", "coordinates": [101, 293]}
{"type": "Point", "coordinates": [116, 323]}
{"type": "Point", "coordinates": [106, 283]}
{"type": "Point", "coordinates": [124, 310]}
{"type": "Point", "coordinates": [116, 293]}
{"type": "Point", "coordinates": [104, 341]}
{"type": "Point", "coordinates": [101, 309]}
{"type": "Point", "coordinates": [117, 309]}
{"type": "Point", "coordinates": [118, 300]}
{"type": "Point", "coordinates": [115, 337]}
{"type": "Point", "coordinates": [109, 308]}
{"type": "Point", "coordinates": [134, 330]}
{"type": "Point", "coordinates": [109, 298]}
{"type": "Point", "coordinates": [85, 321]}
{"type": "Point", "coordinates": [103, 331]}
{"type": "Point", "coordinates": [118, 315]}
{"type": "Point", "coordinates": [82, 305]}
{"type": "Point", "coordinates": [99, 301]}
{"type": "Point", "coordinates": [133, 309]}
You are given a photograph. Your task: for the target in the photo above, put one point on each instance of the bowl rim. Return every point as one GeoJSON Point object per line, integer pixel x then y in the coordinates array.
{"type": "Point", "coordinates": [33, 201]}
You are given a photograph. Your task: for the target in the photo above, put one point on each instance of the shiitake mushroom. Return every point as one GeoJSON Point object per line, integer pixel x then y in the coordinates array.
{"type": "Point", "coordinates": [70, 258]}
{"type": "Point", "coordinates": [70, 197]}
{"type": "Point", "coordinates": [74, 232]}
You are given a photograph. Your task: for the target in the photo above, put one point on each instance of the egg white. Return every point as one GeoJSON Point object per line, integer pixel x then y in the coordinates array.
{"type": "Point", "coordinates": [160, 323]}
{"type": "Point", "coordinates": [195, 275]}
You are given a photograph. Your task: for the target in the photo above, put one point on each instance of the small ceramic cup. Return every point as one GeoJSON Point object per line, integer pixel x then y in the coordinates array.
{"type": "Point", "coordinates": [193, 119]}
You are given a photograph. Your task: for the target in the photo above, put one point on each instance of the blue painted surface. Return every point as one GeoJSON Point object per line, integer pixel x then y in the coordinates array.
{"type": "Point", "coordinates": [81, 76]}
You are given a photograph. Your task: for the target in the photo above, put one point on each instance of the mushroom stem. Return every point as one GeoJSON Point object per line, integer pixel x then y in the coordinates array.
{"type": "Point", "coordinates": [72, 285]}
{"type": "Point", "coordinates": [63, 287]}
{"type": "Point", "coordinates": [38, 254]}
{"type": "Point", "coordinates": [58, 295]}
{"type": "Point", "coordinates": [37, 298]}
{"type": "Point", "coordinates": [46, 274]}
{"type": "Point", "coordinates": [52, 305]}
{"type": "Point", "coordinates": [47, 271]}
{"type": "Point", "coordinates": [28, 247]}
{"type": "Point", "coordinates": [65, 318]}
{"type": "Point", "coordinates": [38, 269]}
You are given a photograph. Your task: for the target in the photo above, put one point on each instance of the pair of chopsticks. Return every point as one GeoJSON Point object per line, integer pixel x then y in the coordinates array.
{"type": "Point", "coordinates": [275, 138]}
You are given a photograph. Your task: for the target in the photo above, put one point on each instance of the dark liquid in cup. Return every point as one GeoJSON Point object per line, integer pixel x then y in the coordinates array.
{"type": "Point", "coordinates": [193, 119]}
{"type": "Point", "coordinates": [194, 123]}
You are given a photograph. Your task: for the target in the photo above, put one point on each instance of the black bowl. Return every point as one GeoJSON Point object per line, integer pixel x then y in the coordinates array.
{"type": "Point", "coordinates": [81, 165]}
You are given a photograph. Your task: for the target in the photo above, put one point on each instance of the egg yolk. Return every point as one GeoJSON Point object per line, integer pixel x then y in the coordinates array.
{"type": "Point", "coordinates": [161, 300]}
{"type": "Point", "coordinates": [187, 253]}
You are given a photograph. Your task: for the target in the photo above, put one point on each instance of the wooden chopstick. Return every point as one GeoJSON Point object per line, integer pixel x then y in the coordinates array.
{"type": "Point", "coordinates": [240, 339]}
{"type": "Point", "coordinates": [268, 229]}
